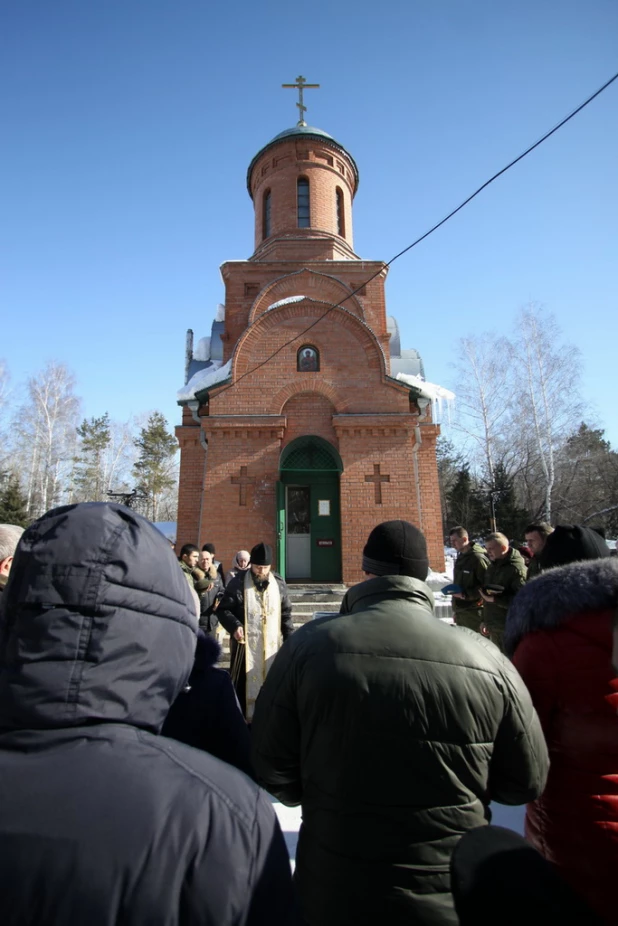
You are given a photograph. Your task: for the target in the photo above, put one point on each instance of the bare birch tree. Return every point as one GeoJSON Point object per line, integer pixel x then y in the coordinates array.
{"type": "Point", "coordinates": [45, 429]}
{"type": "Point", "coordinates": [484, 397]}
{"type": "Point", "coordinates": [5, 380]}
{"type": "Point", "coordinates": [547, 376]}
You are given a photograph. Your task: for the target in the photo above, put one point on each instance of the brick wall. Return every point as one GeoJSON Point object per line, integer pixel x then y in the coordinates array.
{"type": "Point", "coordinates": [326, 168]}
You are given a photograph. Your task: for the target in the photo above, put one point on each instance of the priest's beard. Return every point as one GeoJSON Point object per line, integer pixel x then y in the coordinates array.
{"type": "Point", "coordinates": [259, 582]}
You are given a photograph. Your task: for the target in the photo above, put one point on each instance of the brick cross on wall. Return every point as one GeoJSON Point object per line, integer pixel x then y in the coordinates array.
{"type": "Point", "coordinates": [242, 482]}
{"type": "Point", "coordinates": [377, 480]}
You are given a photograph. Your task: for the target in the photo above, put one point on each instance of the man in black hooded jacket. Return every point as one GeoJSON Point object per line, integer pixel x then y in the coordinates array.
{"type": "Point", "coordinates": [102, 820]}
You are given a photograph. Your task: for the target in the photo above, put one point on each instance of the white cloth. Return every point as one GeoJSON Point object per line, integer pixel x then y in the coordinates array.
{"type": "Point", "coordinates": [262, 634]}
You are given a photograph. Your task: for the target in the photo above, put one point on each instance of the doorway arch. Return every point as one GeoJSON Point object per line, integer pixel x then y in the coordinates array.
{"type": "Point", "coordinates": [309, 511]}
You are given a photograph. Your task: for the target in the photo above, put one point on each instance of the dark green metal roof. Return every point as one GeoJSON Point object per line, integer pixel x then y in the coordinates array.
{"type": "Point", "coordinates": [303, 131]}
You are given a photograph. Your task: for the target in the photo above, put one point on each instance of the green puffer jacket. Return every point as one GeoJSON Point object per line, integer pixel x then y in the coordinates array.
{"type": "Point", "coordinates": [394, 731]}
{"type": "Point", "coordinates": [510, 572]}
{"type": "Point", "coordinates": [469, 572]}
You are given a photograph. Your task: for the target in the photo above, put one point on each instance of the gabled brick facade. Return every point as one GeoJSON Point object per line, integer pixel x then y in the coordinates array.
{"type": "Point", "coordinates": [385, 443]}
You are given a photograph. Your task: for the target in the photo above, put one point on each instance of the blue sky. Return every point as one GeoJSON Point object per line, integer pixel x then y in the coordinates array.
{"type": "Point", "coordinates": [128, 126]}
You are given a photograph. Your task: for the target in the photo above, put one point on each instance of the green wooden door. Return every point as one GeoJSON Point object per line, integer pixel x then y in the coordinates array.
{"type": "Point", "coordinates": [313, 465]}
{"type": "Point", "coordinates": [325, 528]}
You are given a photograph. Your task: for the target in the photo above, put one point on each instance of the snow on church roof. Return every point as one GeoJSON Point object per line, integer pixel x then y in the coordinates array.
{"type": "Point", "coordinates": [286, 301]}
{"type": "Point", "coordinates": [436, 394]}
{"type": "Point", "coordinates": [202, 351]}
{"type": "Point", "coordinates": [205, 379]}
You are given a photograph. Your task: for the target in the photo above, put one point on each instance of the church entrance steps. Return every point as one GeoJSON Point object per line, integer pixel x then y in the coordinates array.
{"type": "Point", "coordinates": [307, 599]}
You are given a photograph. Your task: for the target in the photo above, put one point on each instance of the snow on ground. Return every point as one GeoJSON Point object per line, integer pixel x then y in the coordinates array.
{"type": "Point", "coordinates": [289, 818]}
{"type": "Point", "coordinates": [436, 581]}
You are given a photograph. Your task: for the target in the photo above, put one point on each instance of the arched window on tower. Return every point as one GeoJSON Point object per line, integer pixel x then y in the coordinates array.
{"type": "Point", "coordinates": [266, 215]}
{"type": "Point", "coordinates": [340, 212]}
{"type": "Point", "coordinates": [303, 205]}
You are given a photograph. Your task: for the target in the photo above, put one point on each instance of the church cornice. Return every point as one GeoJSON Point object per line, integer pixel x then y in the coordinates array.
{"type": "Point", "coordinates": [313, 236]}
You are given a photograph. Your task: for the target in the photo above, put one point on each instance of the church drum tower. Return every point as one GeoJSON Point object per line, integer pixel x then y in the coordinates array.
{"type": "Point", "coordinates": [295, 430]}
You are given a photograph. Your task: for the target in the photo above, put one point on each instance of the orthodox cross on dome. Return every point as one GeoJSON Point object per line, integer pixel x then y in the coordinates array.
{"type": "Point", "coordinates": [242, 482]}
{"type": "Point", "coordinates": [377, 480]}
{"type": "Point", "coordinates": [300, 85]}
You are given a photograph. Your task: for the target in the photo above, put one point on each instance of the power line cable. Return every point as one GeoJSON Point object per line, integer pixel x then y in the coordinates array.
{"type": "Point", "coordinates": [433, 228]}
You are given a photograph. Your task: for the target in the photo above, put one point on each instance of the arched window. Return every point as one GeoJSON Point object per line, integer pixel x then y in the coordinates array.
{"type": "Point", "coordinates": [266, 215]}
{"type": "Point", "coordinates": [340, 213]}
{"type": "Point", "coordinates": [308, 359]}
{"type": "Point", "coordinates": [302, 198]}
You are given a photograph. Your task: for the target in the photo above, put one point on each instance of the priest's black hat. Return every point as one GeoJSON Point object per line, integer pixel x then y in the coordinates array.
{"type": "Point", "coordinates": [262, 554]}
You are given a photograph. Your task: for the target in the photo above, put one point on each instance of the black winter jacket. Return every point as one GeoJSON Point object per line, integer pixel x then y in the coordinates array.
{"type": "Point", "coordinates": [231, 612]}
{"type": "Point", "coordinates": [206, 714]}
{"type": "Point", "coordinates": [394, 731]}
{"type": "Point", "coordinates": [102, 821]}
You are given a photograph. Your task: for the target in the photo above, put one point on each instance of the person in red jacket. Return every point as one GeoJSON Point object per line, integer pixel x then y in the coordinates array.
{"type": "Point", "coordinates": [559, 632]}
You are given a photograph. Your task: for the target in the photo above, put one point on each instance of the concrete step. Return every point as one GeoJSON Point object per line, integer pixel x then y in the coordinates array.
{"type": "Point", "coordinates": [299, 607]}
{"type": "Point", "coordinates": [302, 597]}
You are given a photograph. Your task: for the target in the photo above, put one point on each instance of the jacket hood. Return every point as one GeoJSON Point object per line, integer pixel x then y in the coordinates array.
{"type": "Point", "coordinates": [571, 544]}
{"type": "Point", "coordinates": [513, 556]}
{"type": "Point", "coordinates": [558, 595]}
{"type": "Point", "coordinates": [97, 622]}
{"type": "Point", "coordinates": [402, 587]}
{"type": "Point", "coordinates": [207, 653]}
{"type": "Point", "coordinates": [475, 550]}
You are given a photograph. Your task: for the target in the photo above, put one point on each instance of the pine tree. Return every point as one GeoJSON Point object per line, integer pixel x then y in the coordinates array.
{"type": "Point", "coordinates": [155, 466]}
{"type": "Point", "coordinates": [587, 481]}
{"type": "Point", "coordinates": [449, 462]}
{"type": "Point", "coordinates": [13, 503]}
{"type": "Point", "coordinates": [466, 504]}
{"type": "Point", "coordinates": [511, 519]}
{"type": "Point", "coordinates": [90, 476]}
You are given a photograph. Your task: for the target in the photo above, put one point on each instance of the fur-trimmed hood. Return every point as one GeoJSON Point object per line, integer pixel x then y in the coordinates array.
{"type": "Point", "coordinates": [557, 595]}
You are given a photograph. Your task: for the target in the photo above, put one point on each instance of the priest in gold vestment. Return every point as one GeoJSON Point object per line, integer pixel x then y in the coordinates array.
{"type": "Point", "coordinates": [257, 613]}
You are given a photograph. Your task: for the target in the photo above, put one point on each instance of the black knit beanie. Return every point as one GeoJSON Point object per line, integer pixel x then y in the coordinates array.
{"type": "Point", "coordinates": [262, 554]}
{"type": "Point", "coordinates": [396, 548]}
{"type": "Point", "coordinates": [571, 544]}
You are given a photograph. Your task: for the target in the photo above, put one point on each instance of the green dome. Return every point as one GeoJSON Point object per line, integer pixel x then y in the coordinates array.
{"type": "Point", "coordinates": [304, 131]}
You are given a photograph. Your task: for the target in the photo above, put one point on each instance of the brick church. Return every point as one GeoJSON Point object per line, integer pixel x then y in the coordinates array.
{"type": "Point", "coordinates": [304, 423]}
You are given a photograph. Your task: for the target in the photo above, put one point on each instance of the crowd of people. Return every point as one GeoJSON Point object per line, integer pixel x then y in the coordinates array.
{"type": "Point", "coordinates": [135, 773]}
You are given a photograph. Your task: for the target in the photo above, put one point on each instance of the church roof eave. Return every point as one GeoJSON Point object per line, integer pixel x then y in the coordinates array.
{"type": "Point", "coordinates": [202, 394]}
